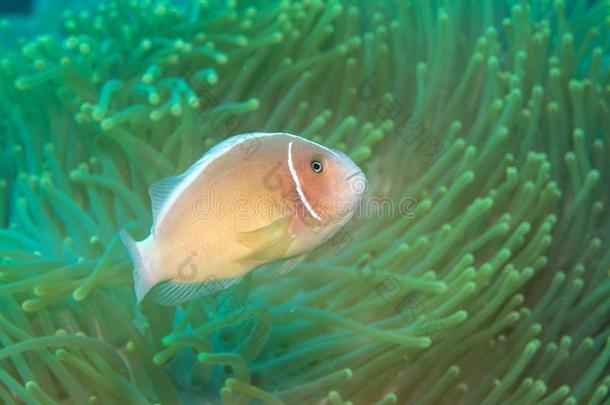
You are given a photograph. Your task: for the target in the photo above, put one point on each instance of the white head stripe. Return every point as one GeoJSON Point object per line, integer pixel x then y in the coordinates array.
{"type": "Point", "coordinates": [317, 144]}
{"type": "Point", "coordinates": [297, 183]}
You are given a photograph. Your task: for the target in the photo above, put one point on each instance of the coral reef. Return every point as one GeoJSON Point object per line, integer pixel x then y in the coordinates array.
{"type": "Point", "coordinates": [488, 121]}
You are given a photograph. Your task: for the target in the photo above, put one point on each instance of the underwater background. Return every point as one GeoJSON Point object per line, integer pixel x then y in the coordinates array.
{"type": "Point", "coordinates": [482, 275]}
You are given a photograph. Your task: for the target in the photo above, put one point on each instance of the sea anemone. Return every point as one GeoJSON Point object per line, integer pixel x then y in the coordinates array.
{"type": "Point", "coordinates": [477, 272]}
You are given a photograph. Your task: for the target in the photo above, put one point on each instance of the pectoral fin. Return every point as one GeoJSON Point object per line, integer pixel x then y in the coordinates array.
{"type": "Point", "coordinates": [269, 242]}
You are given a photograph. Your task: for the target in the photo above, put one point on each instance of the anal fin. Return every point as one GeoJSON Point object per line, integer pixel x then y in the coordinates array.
{"type": "Point", "coordinates": [174, 293]}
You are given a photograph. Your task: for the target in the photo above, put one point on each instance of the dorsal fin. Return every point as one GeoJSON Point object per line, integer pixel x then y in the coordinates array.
{"type": "Point", "coordinates": [160, 191]}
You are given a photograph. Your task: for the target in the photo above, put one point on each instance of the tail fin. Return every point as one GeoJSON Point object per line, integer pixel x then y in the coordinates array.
{"type": "Point", "coordinates": [141, 274]}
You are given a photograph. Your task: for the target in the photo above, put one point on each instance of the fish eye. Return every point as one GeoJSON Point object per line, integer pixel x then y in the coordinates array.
{"type": "Point", "coordinates": [316, 166]}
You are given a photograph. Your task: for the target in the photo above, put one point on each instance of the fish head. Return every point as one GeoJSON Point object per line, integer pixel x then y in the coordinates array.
{"type": "Point", "coordinates": [331, 183]}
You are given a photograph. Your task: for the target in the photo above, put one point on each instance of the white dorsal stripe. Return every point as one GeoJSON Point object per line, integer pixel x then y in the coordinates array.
{"type": "Point", "coordinates": [188, 176]}
{"type": "Point", "coordinates": [297, 183]}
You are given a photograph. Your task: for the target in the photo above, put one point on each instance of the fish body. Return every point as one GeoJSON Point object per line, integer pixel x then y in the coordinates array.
{"type": "Point", "coordinates": [251, 200]}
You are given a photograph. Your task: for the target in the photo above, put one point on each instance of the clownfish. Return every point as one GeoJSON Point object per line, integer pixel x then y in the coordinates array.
{"type": "Point", "coordinates": [254, 200]}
